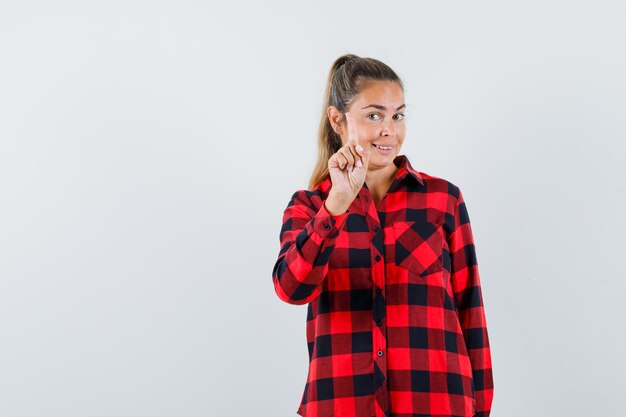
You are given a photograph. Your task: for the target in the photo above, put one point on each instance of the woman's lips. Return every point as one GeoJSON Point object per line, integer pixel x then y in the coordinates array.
{"type": "Point", "coordinates": [383, 151]}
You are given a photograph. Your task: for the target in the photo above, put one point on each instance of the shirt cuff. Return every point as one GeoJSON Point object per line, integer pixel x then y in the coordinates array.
{"type": "Point", "coordinates": [327, 224]}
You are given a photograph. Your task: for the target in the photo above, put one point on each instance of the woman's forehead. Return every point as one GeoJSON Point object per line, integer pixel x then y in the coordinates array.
{"type": "Point", "coordinates": [381, 93]}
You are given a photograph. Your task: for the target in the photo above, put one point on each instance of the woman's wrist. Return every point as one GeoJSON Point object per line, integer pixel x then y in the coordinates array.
{"type": "Point", "coordinates": [336, 205]}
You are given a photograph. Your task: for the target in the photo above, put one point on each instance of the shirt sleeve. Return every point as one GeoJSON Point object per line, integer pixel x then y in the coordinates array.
{"type": "Point", "coordinates": [307, 239]}
{"type": "Point", "coordinates": [469, 303]}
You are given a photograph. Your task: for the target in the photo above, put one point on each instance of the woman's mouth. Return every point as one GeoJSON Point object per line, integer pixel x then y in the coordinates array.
{"type": "Point", "coordinates": [385, 150]}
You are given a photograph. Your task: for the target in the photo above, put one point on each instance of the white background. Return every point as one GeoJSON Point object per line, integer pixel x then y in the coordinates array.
{"type": "Point", "coordinates": [148, 149]}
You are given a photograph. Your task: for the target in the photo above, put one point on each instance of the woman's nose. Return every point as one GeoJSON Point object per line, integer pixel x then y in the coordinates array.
{"type": "Point", "coordinates": [389, 128]}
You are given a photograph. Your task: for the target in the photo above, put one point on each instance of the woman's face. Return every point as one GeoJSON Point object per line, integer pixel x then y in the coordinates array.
{"type": "Point", "coordinates": [379, 115]}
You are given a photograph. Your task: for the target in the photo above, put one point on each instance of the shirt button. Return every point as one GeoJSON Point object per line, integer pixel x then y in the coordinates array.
{"type": "Point", "coordinates": [378, 290]}
{"type": "Point", "coordinates": [376, 228]}
{"type": "Point", "coordinates": [378, 323]}
{"type": "Point", "coordinates": [326, 226]}
{"type": "Point", "coordinates": [380, 353]}
{"type": "Point", "coordinates": [377, 258]}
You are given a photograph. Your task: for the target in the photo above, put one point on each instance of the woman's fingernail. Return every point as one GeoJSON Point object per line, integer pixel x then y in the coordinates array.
{"type": "Point", "coordinates": [359, 147]}
{"type": "Point", "coordinates": [359, 163]}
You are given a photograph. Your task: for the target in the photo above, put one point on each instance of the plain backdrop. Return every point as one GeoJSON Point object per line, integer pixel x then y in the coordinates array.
{"type": "Point", "coordinates": [149, 148]}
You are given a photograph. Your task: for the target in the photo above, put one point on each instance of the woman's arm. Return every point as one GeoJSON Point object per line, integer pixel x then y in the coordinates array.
{"type": "Point", "coordinates": [307, 239]}
{"type": "Point", "coordinates": [469, 303]}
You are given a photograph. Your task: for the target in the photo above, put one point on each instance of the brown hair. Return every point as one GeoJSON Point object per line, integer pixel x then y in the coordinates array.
{"type": "Point", "coordinates": [348, 75]}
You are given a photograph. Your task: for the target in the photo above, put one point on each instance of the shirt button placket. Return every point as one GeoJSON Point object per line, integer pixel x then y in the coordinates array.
{"type": "Point", "coordinates": [379, 310]}
{"type": "Point", "coordinates": [378, 315]}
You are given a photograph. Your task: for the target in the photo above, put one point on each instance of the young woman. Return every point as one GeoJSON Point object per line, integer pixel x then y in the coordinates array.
{"type": "Point", "coordinates": [384, 257]}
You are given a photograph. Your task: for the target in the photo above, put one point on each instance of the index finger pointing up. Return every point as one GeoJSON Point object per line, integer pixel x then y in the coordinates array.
{"type": "Point", "coordinates": [352, 131]}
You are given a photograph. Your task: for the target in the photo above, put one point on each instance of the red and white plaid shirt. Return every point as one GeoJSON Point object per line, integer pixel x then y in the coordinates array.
{"type": "Point", "coordinates": [396, 325]}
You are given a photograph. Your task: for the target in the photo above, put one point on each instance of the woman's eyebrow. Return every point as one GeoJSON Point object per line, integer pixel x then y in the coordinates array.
{"type": "Point", "coordinates": [378, 106]}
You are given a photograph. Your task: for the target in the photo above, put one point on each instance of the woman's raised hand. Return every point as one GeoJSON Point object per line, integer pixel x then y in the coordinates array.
{"type": "Point", "coordinates": [347, 168]}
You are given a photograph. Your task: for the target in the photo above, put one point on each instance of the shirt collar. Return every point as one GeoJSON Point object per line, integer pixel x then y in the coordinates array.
{"type": "Point", "coordinates": [404, 170]}
{"type": "Point", "coordinates": [405, 167]}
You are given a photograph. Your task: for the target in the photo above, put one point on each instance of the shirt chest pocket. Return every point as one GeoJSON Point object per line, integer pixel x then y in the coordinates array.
{"type": "Point", "coordinates": [418, 247]}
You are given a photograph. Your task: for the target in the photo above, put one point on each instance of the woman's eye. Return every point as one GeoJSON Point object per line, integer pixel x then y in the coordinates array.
{"type": "Point", "coordinates": [376, 116]}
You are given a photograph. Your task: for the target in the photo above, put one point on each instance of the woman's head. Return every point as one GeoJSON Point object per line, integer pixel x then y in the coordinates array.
{"type": "Point", "coordinates": [355, 84]}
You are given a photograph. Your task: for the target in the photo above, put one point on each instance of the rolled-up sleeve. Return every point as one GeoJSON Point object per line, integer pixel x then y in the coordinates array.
{"type": "Point", "coordinates": [307, 239]}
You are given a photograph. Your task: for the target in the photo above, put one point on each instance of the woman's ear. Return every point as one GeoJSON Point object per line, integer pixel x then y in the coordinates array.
{"type": "Point", "coordinates": [336, 119]}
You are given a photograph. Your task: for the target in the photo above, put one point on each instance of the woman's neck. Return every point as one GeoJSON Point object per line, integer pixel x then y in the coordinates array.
{"type": "Point", "coordinates": [379, 180]}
